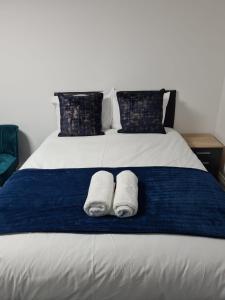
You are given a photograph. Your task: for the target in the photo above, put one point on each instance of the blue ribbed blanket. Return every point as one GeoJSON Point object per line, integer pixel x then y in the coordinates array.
{"type": "Point", "coordinates": [171, 200]}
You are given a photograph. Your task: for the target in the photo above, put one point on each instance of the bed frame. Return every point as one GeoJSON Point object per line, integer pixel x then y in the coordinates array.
{"type": "Point", "coordinates": [170, 110]}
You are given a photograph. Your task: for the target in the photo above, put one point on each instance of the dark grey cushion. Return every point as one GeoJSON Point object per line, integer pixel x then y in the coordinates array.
{"type": "Point", "coordinates": [141, 111]}
{"type": "Point", "coordinates": [80, 113]}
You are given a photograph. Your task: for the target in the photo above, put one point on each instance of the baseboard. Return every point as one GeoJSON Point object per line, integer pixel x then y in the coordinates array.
{"type": "Point", "coordinates": [221, 178]}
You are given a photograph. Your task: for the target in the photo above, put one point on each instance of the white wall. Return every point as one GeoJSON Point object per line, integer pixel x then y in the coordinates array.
{"type": "Point", "coordinates": [220, 124]}
{"type": "Point", "coordinates": [51, 45]}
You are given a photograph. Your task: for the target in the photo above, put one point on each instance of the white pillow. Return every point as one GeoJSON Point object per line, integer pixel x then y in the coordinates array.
{"type": "Point", "coordinates": [106, 109]}
{"type": "Point", "coordinates": [116, 124]}
{"type": "Point", "coordinates": [166, 98]}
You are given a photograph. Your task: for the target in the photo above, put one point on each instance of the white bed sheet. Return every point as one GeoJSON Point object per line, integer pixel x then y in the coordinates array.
{"type": "Point", "coordinates": [112, 266]}
{"type": "Point", "coordinates": [114, 150]}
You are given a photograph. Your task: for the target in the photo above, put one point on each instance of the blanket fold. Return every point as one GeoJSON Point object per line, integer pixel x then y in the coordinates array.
{"type": "Point", "coordinates": [125, 202]}
{"type": "Point", "coordinates": [100, 194]}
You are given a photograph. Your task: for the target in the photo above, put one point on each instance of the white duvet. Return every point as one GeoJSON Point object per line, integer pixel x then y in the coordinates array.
{"type": "Point", "coordinates": [112, 266]}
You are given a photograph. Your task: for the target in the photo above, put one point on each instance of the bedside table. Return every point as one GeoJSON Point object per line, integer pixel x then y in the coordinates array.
{"type": "Point", "coordinates": [208, 149]}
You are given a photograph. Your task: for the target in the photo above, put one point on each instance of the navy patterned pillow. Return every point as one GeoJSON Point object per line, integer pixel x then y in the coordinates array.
{"type": "Point", "coordinates": [80, 113]}
{"type": "Point", "coordinates": [141, 111]}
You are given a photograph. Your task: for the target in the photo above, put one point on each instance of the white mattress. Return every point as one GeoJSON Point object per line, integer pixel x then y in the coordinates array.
{"type": "Point", "coordinates": [112, 266]}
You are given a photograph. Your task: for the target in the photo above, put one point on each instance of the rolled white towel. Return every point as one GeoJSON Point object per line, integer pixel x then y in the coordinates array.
{"type": "Point", "coordinates": [100, 194]}
{"type": "Point", "coordinates": [125, 202]}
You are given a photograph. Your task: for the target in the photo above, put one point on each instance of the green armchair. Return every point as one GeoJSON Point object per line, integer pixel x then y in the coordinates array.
{"type": "Point", "coordinates": [8, 151]}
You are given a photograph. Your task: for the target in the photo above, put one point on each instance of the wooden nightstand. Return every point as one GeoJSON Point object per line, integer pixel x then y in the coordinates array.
{"type": "Point", "coordinates": [208, 149]}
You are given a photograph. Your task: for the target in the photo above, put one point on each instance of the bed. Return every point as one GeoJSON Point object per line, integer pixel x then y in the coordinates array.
{"type": "Point", "coordinates": [112, 266]}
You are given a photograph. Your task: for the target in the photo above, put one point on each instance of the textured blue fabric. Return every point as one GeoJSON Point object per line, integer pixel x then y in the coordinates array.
{"type": "Point", "coordinates": [141, 111]}
{"type": "Point", "coordinates": [9, 139]}
{"type": "Point", "coordinates": [6, 160]}
{"type": "Point", "coordinates": [80, 113]}
{"type": "Point", "coordinates": [171, 200]}
{"type": "Point", "coordinates": [8, 151]}
{"type": "Point", "coordinates": [8, 164]}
